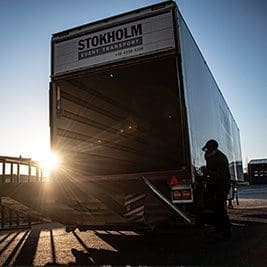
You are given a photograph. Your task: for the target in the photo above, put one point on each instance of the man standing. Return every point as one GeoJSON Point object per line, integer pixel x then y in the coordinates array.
{"type": "Point", "coordinates": [218, 186]}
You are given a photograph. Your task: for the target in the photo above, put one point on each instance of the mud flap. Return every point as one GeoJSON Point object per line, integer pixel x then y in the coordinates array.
{"type": "Point", "coordinates": [165, 201]}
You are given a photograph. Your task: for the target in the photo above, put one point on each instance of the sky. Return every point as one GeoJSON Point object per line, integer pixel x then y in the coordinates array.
{"type": "Point", "coordinates": [231, 34]}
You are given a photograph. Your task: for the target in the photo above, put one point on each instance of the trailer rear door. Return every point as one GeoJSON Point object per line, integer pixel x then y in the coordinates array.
{"type": "Point", "coordinates": [122, 120]}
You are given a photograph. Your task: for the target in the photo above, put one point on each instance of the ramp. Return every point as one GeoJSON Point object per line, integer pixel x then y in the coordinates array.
{"type": "Point", "coordinates": [118, 202]}
{"type": "Point", "coordinates": [165, 201]}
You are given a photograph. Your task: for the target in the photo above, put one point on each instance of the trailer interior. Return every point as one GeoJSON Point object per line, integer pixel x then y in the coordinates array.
{"type": "Point", "coordinates": [122, 120]}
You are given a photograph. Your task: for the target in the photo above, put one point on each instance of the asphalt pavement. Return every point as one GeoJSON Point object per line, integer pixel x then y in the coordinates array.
{"type": "Point", "coordinates": [49, 244]}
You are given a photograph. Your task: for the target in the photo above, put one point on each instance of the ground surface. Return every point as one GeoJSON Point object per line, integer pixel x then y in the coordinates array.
{"type": "Point", "coordinates": [49, 244]}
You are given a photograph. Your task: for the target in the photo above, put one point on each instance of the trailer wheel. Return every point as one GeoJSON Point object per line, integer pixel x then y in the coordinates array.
{"type": "Point", "coordinates": [70, 228]}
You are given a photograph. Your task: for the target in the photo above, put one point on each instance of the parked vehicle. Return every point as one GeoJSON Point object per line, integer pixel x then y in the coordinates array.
{"type": "Point", "coordinates": [132, 102]}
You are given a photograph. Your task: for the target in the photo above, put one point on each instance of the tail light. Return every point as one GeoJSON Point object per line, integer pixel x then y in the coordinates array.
{"type": "Point", "coordinates": [181, 189]}
{"type": "Point", "coordinates": [181, 194]}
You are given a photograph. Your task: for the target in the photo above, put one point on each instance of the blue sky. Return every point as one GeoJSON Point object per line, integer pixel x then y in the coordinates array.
{"type": "Point", "coordinates": [231, 34]}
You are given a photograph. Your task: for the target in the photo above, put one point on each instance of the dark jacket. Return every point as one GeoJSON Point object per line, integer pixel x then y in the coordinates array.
{"type": "Point", "coordinates": [217, 168]}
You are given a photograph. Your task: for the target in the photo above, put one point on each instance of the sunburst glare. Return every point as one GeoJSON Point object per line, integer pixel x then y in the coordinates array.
{"type": "Point", "coordinates": [50, 163]}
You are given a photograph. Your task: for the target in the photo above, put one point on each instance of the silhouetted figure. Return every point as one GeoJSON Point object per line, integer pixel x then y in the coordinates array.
{"type": "Point", "coordinates": [217, 187]}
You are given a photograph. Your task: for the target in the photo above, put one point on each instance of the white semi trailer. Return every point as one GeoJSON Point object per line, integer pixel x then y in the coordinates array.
{"type": "Point", "coordinates": [132, 102]}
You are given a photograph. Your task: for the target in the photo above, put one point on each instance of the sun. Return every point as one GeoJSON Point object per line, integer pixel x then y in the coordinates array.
{"type": "Point", "coordinates": [50, 162]}
{"type": "Point", "coordinates": [39, 150]}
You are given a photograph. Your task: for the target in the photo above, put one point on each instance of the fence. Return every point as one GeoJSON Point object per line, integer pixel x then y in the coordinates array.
{"type": "Point", "coordinates": [17, 170]}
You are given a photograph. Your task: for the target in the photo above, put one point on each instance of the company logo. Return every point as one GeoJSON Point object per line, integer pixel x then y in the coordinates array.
{"type": "Point", "coordinates": [111, 41]}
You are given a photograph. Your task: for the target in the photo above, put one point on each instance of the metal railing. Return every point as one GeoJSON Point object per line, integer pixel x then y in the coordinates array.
{"type": "Point", "coordinates": [17, 170]}
{"type": "Point", "coordinates": [14, 174]}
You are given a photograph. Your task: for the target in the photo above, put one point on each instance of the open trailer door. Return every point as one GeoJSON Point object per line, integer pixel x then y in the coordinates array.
{"type": "Point", "coordinates": [117, 112]}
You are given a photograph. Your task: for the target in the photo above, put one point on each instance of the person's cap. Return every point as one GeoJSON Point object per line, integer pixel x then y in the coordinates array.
{"type": "Point", "coordinates": [210, 145]}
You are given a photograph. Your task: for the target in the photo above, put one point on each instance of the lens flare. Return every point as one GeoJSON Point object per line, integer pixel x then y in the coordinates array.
{"type": "Point", "coordinates": [50, 163]}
